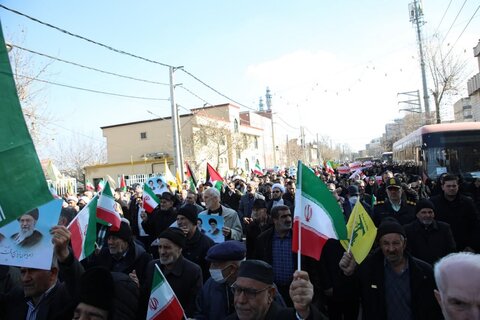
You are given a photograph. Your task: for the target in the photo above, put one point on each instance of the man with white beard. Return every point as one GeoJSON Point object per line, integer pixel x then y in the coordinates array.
{"type": "Point", "coordinates": [27, 236]}
{"type": "Point", "coordinates": [184, 277]}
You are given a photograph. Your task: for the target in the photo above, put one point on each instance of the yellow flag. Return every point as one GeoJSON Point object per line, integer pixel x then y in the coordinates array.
{"type": "Point", "coordinates": [178, 180]}
{"type": "Point", "coordinates": [362, 231]}
{"type": "Point", "coordinates": [169, 177]}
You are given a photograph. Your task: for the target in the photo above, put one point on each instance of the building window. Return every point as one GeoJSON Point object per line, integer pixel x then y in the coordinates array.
{"type": "Point", "coordinates": [143, 135]}
{"type": "Point", "coordinates": [235, 126]}
{"type": "Point", "coordinates": [255, 142]}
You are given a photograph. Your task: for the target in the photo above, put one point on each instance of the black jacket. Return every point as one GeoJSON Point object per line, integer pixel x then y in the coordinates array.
{"type": "Point", "coordinates": [429, 243]}
{"type": "Point", "coordinates": [276, 312]}
{"type": "Point", "coordinates": [185, 280]}
{"type": "Point", "coordinates": [196, 250]}
{"type": "Point", "coordinates": [371, 278]}
{"type": "Point", "coordinates": [462, 216]}
{"type": "Point", "coordinates": [384, 209]}
{"type": "Point", "coordinates": [158, 221]}
{"type": "Point", "coordinates": [135, 259]}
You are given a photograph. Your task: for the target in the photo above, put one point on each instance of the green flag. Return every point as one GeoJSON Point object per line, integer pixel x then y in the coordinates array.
{"type": "Point", "coordinates": [23, 185]}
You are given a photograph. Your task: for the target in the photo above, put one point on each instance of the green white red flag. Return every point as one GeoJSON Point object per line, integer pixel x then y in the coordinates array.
{"type": "Point", "coordinates": [89, 185]}
{"type": "Point", "coordinates": [84, 231]}
{"type": "Point", "coordinates": [149, 198]}
{"type": "Point", "coordinates": [163, 304]}
{"type": "Point", "coordinates": [106, 208]}
{"type": "Point", "coordinates": [329, 167]}
{"type": "Point", "coordinates": [258, 170]}
{"type": "Point", "coordinates": [214, 177]}
{"type": "Point", "coordinates": [318, 214]}
{"type": "Point", "coordinates": [192, 182]}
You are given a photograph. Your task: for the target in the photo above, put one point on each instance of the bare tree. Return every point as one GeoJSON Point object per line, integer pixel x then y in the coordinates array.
{"type": "Point", "coordinates": [72, 157]}
{"type": "Point", "coordinates": [39, 121]}
{"type": "Point", "coordinates": [447, 72]}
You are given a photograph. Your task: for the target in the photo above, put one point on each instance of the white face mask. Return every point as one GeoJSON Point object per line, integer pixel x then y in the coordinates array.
{"type": "Point", "coordinates": [353, 200]}
{"type": "Point", "coordinates": [217, 275]}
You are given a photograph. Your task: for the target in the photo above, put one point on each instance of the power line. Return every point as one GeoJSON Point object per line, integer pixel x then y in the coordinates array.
{"type": "Point", "coordinates": [216, 91]}
{"type": "Point", "coordinates": [454, 20]}
{"type": "Point", "coordinates": [91, 90]}
{"type": "Point", "coordinates": [85, 39]}
{"type": "Point", "coordinates": [87, 67]}
{"type": "Point", "coordinates": [441, 20]}
{"type": "Point", "coordinates": [461, 33]}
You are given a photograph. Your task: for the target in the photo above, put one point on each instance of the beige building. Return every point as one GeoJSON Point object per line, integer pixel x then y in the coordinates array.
{"type": "Point", "coordinates": [221, 135]}
{"type": "Point", "coordinates": [473, 87]}
{"type": "Point", "coordinates": [463, 110]}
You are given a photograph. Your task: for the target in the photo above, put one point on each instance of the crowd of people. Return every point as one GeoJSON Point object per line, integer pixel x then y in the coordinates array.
{"type": "Point", "coordinates": [423, 265]}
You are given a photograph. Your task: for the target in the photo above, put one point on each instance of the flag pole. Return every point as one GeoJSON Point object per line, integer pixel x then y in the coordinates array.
{"type": "Point", "coordinates": [168, 284]}
{"type": "Point", "coordinates": [353, 225]}
{"type": "Point", "coordinates": [299, 254]}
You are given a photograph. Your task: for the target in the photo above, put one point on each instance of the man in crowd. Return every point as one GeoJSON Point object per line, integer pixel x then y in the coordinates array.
{"type": "Point", "coordinates": [255, 225]}
{"type": "Point", "coordinates": [459, 212]}
{"type": "Point", "coordinates": [246, 201]}
{"type": "Point", "coordinates": [184, 276]}
{"type": "Point", "coordinates": [27, 236]}
{"type": "Point", "coordinates": [392, 283]}
{"type": "Point", "coordinates": [231, 195]}
{"type": "Point", "coordinates": [232, 228]}
{"type": "Point", "coordinates": [196, 244]}
{"type": "Point", "coordinates": [290, 191]}
{"type": "Point", "coordinates": [277, 198]}
{"type": "Point", "coordinates": [161, 218]}
{"type": "Point", "coordinates": [121, 255]}
{"type": "Point", "coordinates": [191, 199]}
{"type": "Point", "coordinates": [393, 205]}
{"type": "Point", "coordinates": [429, 240]}
{"type": "Point", "coordinates": [352, 196]}
{"type": "Point", "coordinates": [274, 246]}
{"type": "Point", "coordinates": [42, 296]}
{"type": "Point", "coordinates": [458, 280]}
{"type": "Point", "coordinates": [254, 294]}
{"type": "Point", "coordinates": [215, 300]}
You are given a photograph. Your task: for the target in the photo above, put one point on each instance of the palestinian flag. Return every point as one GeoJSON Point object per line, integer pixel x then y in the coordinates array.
{"type": "Point", "coordinates": [192, 182]}
{"type": "Point", "coordinates": [163, 304]}
{"type": "Point", "coordinates": [123, 185]}
{"type": "Point", "coordinates": [84, 231]}
{"type": "Point", "coordinates": [106, 209]}
{"type": "Point", "coordinates": [214, 177]}
{"type": "Point", "coordinates": [258, 170]}
{"type": "Point", "coordinates": [317, 213]}
{"type": "Point", "coordinates": [150, 199]}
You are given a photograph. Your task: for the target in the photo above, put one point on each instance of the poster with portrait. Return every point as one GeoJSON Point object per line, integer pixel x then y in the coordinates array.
{"type": "Point", "coordinates": [211, 226]}
{"type": "Point", "coordinates": [26, 242]}
{"type": "Point", "coordinates": [158, 184]}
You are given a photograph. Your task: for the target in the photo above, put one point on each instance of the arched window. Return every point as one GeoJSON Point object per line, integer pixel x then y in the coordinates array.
{"type": "Point", "coordinates": [235, 126]}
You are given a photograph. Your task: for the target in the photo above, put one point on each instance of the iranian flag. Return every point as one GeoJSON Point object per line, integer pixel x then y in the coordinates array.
{"type": "Point", "coordinates": [192, 182]}
{"type": "Point", "coordinates": [163, 304]}
{"type": "Point", "coordinates": [106, 208]}
{"type": "Point", "coordinates": [329, 167]}
{"type": "Point", "coordinates": [214, 177]}
{"type": "Point", "coordinates": [89, 185]}
{"type": "Point", "coordinates": [318, 214]}
{"type": "Point", "coordinates": [123, 185]}
{"type": "Point", "coordinates": [150, 199]}
{"type": "Point", "coordinates": [258, 170]}
{"type": "Point", "coordinates": [83, 229]}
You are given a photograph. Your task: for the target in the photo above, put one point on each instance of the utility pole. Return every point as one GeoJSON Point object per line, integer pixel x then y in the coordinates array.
{"type": "Point", "coordinates": [416, 18]}
{"type": "Point", "coordinates": [177, 142]}
{"type": "Point", "coordinates": [288, 151]}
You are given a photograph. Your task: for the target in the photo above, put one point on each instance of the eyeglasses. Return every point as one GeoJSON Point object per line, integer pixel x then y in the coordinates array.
{"type": "Point", "coordinates": [248, 292]}
{"type": "Point", "coordinates": [276, 191]}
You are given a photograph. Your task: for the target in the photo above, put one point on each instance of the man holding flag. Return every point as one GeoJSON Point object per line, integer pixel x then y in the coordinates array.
{"type": "Point", "coordinates": [392, 283]}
